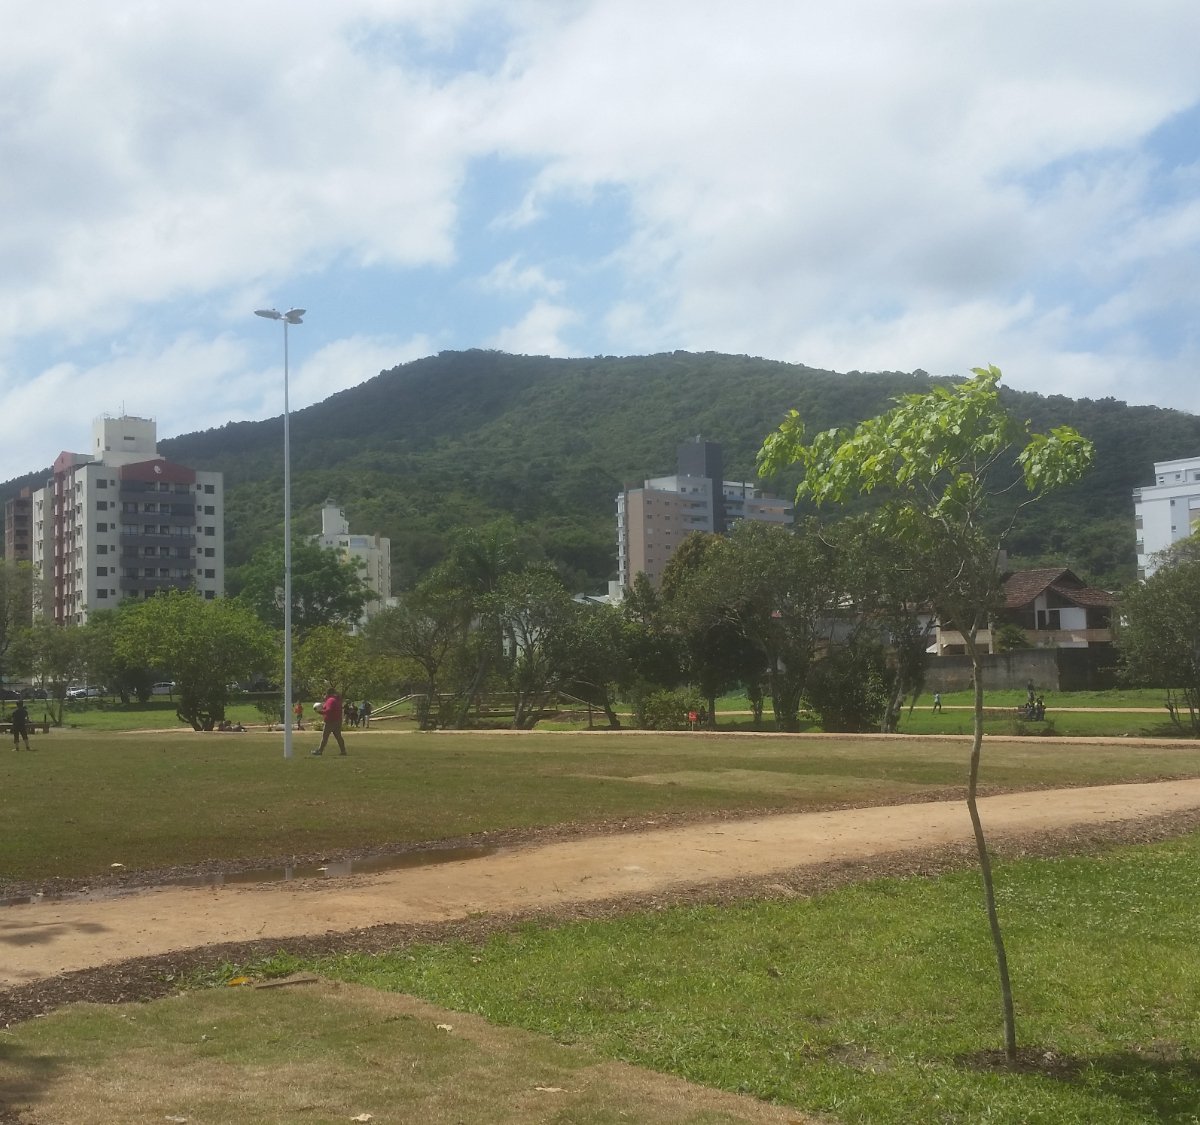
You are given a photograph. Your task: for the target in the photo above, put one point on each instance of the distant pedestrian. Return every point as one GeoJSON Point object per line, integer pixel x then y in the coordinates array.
{"type": "Point", "coordinates": [299, 713]}
{"type": "Point", "coordinates": [364, 714]}
{"type": "Point", "coordinates": [331, 713]}
{"type": "Point", "coordinates": [20, 725]}
{"type": "Point", "coordinates": [937, 702]}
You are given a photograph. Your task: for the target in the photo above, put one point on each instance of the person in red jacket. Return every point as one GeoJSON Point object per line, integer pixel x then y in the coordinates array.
{"type": "Point", "coordinates": [331, 712]}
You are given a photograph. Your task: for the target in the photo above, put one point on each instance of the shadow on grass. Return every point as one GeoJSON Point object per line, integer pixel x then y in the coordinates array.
{"type": "Point", "coordinates": [24, 1079]}
{"type": "Point", "coordinates": [1163, 1079]}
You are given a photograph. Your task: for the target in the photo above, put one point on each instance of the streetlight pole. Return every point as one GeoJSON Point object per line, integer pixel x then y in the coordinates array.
{"type": "Point", "coordinates": [292, 316]}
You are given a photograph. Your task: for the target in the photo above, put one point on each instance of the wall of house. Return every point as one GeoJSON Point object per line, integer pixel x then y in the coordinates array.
{"type": "Point", "coordinates": [1051, 670]}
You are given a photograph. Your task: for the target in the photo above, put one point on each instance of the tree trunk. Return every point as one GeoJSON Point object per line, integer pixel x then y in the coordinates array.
{"type": "Point", "coordinates": [985, 864]}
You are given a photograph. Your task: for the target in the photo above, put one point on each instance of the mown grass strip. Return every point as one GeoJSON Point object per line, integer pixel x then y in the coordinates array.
{"type": "Point", "coordinates": [876, 1002]}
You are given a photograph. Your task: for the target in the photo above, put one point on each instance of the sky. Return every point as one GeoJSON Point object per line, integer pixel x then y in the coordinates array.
{"type": "Point", "coordinates": [867, 185]}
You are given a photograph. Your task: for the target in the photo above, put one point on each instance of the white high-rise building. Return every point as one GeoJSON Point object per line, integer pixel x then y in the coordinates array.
{"type": "Point", "coordinates": [1166, 511]}
{"type": "Point", "coordinates": [372, 552]}
{"type": "Point", "coordinates": [122, 521]}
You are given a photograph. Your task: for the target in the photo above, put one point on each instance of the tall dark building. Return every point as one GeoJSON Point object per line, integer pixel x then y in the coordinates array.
{"type": "Point", "coordinates": [700, 458]}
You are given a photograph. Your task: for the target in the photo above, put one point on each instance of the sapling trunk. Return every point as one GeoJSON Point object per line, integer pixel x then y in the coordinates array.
{"type": "Point", "coordinates": [985, 866]}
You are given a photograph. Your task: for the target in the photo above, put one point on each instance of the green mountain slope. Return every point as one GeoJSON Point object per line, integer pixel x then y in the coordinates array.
{"type": "Point", "coordinates": [462, 437]}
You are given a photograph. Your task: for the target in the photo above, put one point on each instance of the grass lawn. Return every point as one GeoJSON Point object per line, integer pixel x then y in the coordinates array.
{"type": "Point", "coordinates": [872, 1003]}
{"type": "Point", "coordinates": [875, 1002]}
{"type": "Point", "coordinates": [87, 800]}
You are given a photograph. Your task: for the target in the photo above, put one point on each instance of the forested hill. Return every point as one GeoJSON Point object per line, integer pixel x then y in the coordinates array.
{"type": "Point", "coordinates": [462, 437]}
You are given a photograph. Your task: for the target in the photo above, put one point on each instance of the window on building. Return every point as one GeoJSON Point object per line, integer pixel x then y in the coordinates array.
{"type": "Point", "coordinates": [101, 572]}
{"type": "Point", "coordinates": [210, 595]}
{"type": "Point", "coordinates": [209, 510]}
{"type": "Point", "coordinates": [210, 552]}
{"type": "Point", "coordinates": [210, 489]}
{"type": "Point", "coordinates": [102, 548]}
{"type": "Point", "coordinates": [101, 527]}
{"type": "Point", "coordinates": [103, 483]}
{"type": "Point", "coordinates": [102, 593]}
{"type": "Point", "coordinates": [101, 505]}
{"type": "Point", "coordinates": [210, 574]}
{"type": "Point", "coordinates": [210, 531]}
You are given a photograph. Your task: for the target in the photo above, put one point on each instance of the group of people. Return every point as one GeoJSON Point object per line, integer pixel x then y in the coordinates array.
{"type": "Point", "coordinates": [352, 714]}
{"type": "Point", "coordinates": [1034, 707]}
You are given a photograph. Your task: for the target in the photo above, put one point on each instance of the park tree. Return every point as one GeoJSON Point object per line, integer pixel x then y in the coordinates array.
{"type": "Point", "coordinates": [328, 658]}
{"type": "Point", "coordinates": [478, 561]}
{"type": "Point", "coordinates": [326, 589]}
{"type": "Point", "coordinates": [51, 656]}
{"type": "Point", "coordinates": [127, 674]}
{"type": "Point", "coordinates": [534, 610]}
{"type": "Point", "coordinates": [888, 604]}
{"type": "Point", "coordinates": [717, 654]}
{"type": "Point", "coordinates": [593, 650]}
{"type": "Point", "coordinates": [1157, 632]}
{"type": "Point", "coordinates": [653, 656]}
{"type": "Point", "coordinates": [775, 589]}
{"type": "Point", "coordinates": [16, 605]}
{"type": "Point", "coordinates": [427, 629]}
{"type": "Point", "coordinates": [941, 464]}
{"type": "Point", "coordinates": [207, 645]}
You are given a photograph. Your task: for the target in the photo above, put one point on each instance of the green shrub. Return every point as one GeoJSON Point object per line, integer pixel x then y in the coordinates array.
{"type": "Point", "coordinates": [665, 710]}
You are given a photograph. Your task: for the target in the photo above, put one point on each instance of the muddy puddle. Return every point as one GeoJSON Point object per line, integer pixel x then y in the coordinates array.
{"type": "Point", "coordinates": [333, 869]}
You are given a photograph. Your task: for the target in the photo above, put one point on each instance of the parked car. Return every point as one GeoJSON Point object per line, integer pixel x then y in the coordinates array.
{"type": "Point", "coordinates": [163, 687]}
{"type": "Point", "coordinates": [85, 692]}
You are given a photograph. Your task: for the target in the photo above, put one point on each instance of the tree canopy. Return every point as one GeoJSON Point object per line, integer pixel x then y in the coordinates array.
{"type": "Point", "coordinates": [207, 645]}
{"type": "Point", "coordinates": [326, 590]}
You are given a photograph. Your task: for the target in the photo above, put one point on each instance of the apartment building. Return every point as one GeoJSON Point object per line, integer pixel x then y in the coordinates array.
{"type": "Point", "coordinates": [372, 552]}
{"type": "Point", "coordinates": [1167, 510]}
{"type": "Point", "coordinates": [18, 524]}
{"type": "Point", "coordinates": [121, 521]}
{"type": "Point", "coordinates": [653, 520]}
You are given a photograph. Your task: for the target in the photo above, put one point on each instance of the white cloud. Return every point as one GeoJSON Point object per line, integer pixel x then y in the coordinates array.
{"type": "Point", "coordinates": [510, 276]}
{"type": "Point", "coordinates": [870, 184]}
{"type": "Point", "coordinates": [539, 332]}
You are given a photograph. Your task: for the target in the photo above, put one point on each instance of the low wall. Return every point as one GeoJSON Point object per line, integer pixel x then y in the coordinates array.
{"type": "Point", "coordinates": [1050, 669]}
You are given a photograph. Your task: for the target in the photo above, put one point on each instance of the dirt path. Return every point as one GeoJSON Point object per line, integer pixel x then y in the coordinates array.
{"type": "Point", "coordinates": [43, 939]}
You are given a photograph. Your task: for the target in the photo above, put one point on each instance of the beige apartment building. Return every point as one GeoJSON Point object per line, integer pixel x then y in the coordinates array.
{"type": "Point", "coordinates": [653, 520]}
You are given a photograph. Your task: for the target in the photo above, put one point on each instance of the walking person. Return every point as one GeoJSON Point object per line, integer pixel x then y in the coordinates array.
{"type": "Point", "coordinates": [364, 714]}
{"type": "Point", "coordinates": [937, 702]}
{"type": "Point", "coordinates": [298, 710]}
{"type": "Point", "coordinates": [20, 725]}
{"type": "Point", "coordinates": [331, 713]}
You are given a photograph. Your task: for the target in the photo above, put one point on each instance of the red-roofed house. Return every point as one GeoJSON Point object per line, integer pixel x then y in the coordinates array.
{"type": "Point", "coordinates": [1053, 607]}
